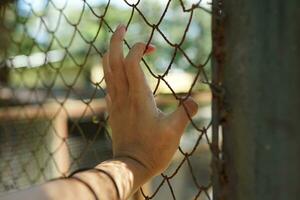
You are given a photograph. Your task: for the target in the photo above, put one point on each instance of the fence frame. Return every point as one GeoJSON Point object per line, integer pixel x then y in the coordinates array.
{"type": "Point", "coordinates": [262, 100]}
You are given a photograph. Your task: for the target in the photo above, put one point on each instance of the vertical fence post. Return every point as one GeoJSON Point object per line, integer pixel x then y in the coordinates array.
{"type": "Point", "coordinates": [4, 38]}
{"type": "Point", "coordinates": [261, 79]}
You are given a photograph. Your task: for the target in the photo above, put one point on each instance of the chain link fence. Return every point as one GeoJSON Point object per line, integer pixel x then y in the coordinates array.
{"type": "Point", "coordinates": [52, 111]}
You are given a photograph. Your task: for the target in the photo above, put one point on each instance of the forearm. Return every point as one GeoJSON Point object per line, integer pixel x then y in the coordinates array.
{"type": "Point", "coordinates": [115, 179]}
{"type": "Point", "coordinates": [58, 189]}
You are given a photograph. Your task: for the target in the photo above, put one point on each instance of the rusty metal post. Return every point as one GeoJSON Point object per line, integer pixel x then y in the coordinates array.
{"type": "Point", "coordinates": [261, 80]}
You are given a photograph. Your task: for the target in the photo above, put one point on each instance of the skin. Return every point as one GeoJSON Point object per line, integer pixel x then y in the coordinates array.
{"type": "Point", "coordinates": [144, 138]}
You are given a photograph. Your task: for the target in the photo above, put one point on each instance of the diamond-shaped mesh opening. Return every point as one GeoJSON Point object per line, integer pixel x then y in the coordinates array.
{"type": "Point", "coordinates": [52, 111]}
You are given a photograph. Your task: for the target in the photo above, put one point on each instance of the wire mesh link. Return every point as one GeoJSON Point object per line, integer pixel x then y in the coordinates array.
{"type": "Point", "coordinates": [52, 113]}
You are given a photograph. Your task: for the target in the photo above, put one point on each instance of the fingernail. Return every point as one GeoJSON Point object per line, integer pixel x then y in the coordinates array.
{"type": "Point", "coordinates": [150, 48]}
{"type": "Point", "coordinates": [191, 105]}
{"type": "Point", "coordinates": [121, 29]}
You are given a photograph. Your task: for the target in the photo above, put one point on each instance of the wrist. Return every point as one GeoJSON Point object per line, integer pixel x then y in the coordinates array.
{"type": "Point", "coordinates": [128, 174]}
{"type": "Point", "coordinates": [136, 166]}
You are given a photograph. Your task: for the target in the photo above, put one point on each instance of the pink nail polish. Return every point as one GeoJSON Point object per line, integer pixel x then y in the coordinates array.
{"type": "Point", "coordinates": [150, 48]}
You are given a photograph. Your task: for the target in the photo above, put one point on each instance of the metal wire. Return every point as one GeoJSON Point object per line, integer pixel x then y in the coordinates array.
{"type": "Point", "coordinates": [52, 113]}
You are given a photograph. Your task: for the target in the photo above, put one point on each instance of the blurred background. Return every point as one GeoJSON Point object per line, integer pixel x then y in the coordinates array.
{"type": "Point", "coordinates": [52, 112]}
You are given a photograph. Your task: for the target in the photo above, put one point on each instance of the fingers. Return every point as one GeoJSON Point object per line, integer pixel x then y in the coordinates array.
{"type": "Point", "coordinates": [108, 75]}
{"type": "Point", "coordinates": [135, 75]}
{"type": "Point", "coordinates": [124, 74]}
{"type": "Point", "coordinates": [116, 60]}
{"type": "Point", "coordinates": [180, 118]}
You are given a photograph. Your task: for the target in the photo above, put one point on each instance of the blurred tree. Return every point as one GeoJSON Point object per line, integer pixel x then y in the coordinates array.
{"type": "Point", "coordinates": [37, 36]}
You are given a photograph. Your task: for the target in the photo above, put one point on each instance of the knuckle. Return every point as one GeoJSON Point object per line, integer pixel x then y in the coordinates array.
{"type": "Point", "coordinates": [139, 46]}
{"type": "Point", "coordinates": [129, 61]}
{"type": "Point", "coordinates": [115, 38]}
{"type": "Point", "coordinates": [135, 54]}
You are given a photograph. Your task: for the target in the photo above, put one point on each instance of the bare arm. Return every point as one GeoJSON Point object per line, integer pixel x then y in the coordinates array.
{"type": "Point", "coordinates": [144, 138]}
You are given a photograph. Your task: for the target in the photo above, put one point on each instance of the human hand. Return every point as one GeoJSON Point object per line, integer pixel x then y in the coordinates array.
{"type": "Point", "coordinates": [140, 131]}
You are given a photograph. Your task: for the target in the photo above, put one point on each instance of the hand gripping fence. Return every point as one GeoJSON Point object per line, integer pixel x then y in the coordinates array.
{"type": "Point", "coordinates": [53, 118]}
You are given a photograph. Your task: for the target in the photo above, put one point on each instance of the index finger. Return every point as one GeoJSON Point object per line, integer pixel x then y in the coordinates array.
{"type": "Point", "coordinates": [116, 59]}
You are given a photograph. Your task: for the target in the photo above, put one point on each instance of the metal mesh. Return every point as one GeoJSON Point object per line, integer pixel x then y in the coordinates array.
{"type": "Point", "coordinates": [52, 114]}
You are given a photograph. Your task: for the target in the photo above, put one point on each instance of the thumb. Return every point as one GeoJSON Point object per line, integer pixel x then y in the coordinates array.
{"type": "Point", "coordinates": [180, 118]}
